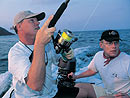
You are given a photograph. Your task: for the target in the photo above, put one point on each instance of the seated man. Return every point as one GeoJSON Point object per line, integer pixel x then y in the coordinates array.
{"type": "Point", "coordinates": [113, 67]}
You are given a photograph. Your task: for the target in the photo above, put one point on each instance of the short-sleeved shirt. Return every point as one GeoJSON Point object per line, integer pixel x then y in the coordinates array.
{"type": "Point", "coordinates": [115, 75]}
{"type": "Point", "coordinates": [19, 65]}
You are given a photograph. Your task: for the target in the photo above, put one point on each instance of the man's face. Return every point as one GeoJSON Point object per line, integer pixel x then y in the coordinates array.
{"type": "Point", "coordinates": [29, 26]}
{"type": "Point", "coordinates": [111, 49]}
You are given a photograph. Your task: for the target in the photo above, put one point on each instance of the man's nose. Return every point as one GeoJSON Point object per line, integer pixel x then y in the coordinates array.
{"type": "Point", "coordinates": [114, 44]}
{"type": "Point", "coordinates": [37, 22]}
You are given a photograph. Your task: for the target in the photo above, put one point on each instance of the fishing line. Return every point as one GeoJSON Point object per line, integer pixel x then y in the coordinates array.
{"type": "Point", "coordinates": [94, 10]}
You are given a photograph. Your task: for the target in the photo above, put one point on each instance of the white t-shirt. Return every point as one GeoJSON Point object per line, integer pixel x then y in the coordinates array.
{"type": "Point", "coordinates": [19, 64]}
{"type": "Point", "coordinates": [115, 75]}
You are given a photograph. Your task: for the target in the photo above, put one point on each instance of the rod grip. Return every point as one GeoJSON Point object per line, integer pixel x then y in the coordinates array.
{"type": "Point", "coordinates": [58, 13]}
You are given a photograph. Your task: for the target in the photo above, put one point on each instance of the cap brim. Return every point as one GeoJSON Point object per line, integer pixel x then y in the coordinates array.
{"type": "Point", "coordinates": [38, 16]}
{"type": "Point", "coordinates": [112, 39]}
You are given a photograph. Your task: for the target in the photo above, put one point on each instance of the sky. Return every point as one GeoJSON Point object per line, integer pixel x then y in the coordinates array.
{"type": "Point", "coordinates": [80, 15]}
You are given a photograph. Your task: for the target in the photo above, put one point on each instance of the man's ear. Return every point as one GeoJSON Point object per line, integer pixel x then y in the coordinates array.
{"type": "Point", "coordinates": [18, 26]}
{"type": "Point", "coordinates": [101, 44]}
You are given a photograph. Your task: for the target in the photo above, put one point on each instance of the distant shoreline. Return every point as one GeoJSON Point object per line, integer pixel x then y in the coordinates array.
{"type": "Point", "coordinates": [4, 32]}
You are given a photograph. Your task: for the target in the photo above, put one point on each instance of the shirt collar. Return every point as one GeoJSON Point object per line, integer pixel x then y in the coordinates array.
{"type": "Point", "coordinates": [29, 46]}
{"type": "Point", "coordinates": [110, 58]}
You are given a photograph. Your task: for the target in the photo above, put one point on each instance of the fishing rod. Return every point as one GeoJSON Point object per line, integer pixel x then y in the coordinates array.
{"type": "Point", "coordinates": [52, 23]}
{"type": "Point", "coordinates": [58, 14]}
{"type": "Point", "coordinates": [62, 44]}
{"type": "Point", "coordinates": [63, 40]}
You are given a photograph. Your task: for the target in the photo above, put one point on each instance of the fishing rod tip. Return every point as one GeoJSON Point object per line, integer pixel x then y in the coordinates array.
{"type": "Point", "coordinates": [67, 1]}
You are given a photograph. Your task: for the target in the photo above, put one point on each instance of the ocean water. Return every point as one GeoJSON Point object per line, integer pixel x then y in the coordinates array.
{"type": "Point", "coordinates": [84, 49]}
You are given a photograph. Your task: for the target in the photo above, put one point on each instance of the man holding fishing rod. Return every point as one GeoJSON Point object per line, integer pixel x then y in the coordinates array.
{"type": "Point", "coordinates": [34, 79]}
{"type": "Point", "coordinates": [30, 60]}
{"type": "Point", "coordinates": [113, 67]}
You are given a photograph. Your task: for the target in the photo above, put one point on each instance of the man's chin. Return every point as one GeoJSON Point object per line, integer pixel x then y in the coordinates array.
{"type": "Point", "coordinates": [113, 55]}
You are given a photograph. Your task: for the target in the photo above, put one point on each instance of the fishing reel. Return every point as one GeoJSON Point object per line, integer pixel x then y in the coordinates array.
{"type": "Point", "coordinates": [62, 44]}
{"type": "Point", "coordinates": [64, 69]}
{"type": "Point", "coordinates": [63, 41]}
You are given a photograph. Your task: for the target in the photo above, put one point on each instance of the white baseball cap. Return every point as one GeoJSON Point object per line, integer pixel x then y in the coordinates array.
{"type": "Point", "coordinates": [27, 14]}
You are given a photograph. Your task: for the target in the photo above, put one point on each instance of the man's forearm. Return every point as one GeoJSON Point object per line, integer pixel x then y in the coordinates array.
{"type": "Point", "coordinates": [36, 75]}
{"type": "Point", "coordinates": [85, 74]}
